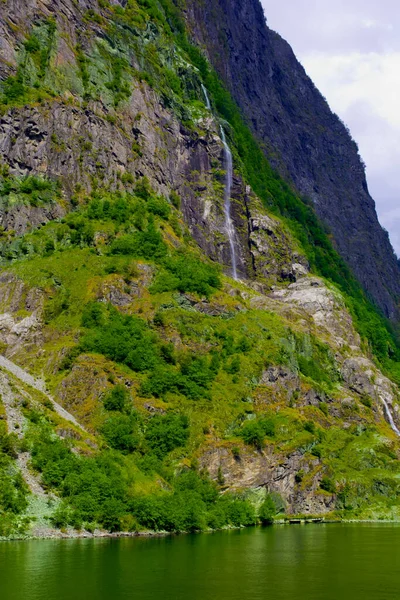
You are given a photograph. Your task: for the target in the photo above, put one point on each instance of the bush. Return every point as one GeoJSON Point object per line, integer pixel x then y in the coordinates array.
{"type": "Point", "coordinates": [165, 433]}
{"type": "Point", "coordinates": [13, 489]}
{"type": "Point", "coordinates": [366, 400]}
{"type": "Point", "coordinates": [193, 385]}
{"type": "Point", "coordinates": [175, 199]}
{"type": "Point", "coordinates": [121, 432]}
{"type": "Point", "coordinates": [116, 399]}
{"type": "Point", "coordinates": [146, 244]}
{"type": "Point", "coordinates": [310, 368]}
{"type": "Point", "coordinates": [93, 315]}
{"type": "Point", "coordinates": [254, 432]}
{"type": "Point", "coordinates": [328, 485]}
{"type": "Point", "coordinates": [113, 510]}
{"type": "Point", "coordinates": [159, 207]}
{"type": "Point", "coordinates": [238, 512]}
{"type": "Point", "coordinates": [31, 190]}
{"type": "Point", "coordinates": [317, 451]}
{"type": "Point", "coordinates": [186, 273]}
{"type": "Point", "coordinates": [121, 338]}
{"type": "Point", "coordinates": [310, 427]}
{"type": "Point", "coordinates": [13, 90]}
{"type": "Point", "coordinates": [8, 443]}
{"type": "Point", "coordinates": [267, 511]}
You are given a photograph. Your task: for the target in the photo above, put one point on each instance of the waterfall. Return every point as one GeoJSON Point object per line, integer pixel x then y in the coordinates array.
{"type": "Point", "coordinates": [227, 202]}
{"type": "Point", "coordinates": [228, 188]}
{"type": "Point", "coordinates": [390, 417]}
{"type": "Point", "coordinates": [208, 103]}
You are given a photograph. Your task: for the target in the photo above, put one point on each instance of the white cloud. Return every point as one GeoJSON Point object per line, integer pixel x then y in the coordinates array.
{"type": "Point", "coordinates": [364, 89]}
{"type": "Point", "coordinates": [351, 50]}
{"type": "Point", "coordinates": [349, 78]}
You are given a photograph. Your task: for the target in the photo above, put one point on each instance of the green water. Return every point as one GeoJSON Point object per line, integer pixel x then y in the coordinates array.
{"type": "Point", "coordinates": [314, 562]}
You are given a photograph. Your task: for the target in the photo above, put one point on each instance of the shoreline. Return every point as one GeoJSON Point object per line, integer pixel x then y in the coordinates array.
{"type": "Point", "coordinates": [56, 534]}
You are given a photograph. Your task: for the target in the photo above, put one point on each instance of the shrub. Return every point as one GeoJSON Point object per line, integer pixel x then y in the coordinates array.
{"type": "Point", "coordinates": [146, 244]}
{"type": "Point", "coordinates": [310, 427]}
{"type": "Point", "coordinates": [236, 452]}
{"type": "Point", "coordinates": [31, 190]}
{"type": "Point", "coordinates": [366, 400]}
{"type": "Point", "coordinates": [116, 399]}
{"type": "Point", "coordinates": [316, 451]}
{"type": "Point", "coordinates": [253, 434]}
{"type": "Point", "coordinates": [175, 199]}
{"type": "Point", "coordinates": [310, 368]}
{"type": "Point", "coordinates": [328, 485]}
{"type": "Point", "coordinates": [238, 512]}
{"type": "Point", "coordinates": [165, 433]}
{"type": "Point", "coordinates": [8, 444]}
{"type": "Point", "coordinates": [234, 366]}
{"type": "Point", "coordinates": [121, 432]}
{"type": "Point", "coordinates": [122, 338]}
{"type": "Point", "coordinates": [159, 207]}
{"type": "Point", "coordinates": [13, 90]}
{"type": "Point", "coordinates": [267, 511]}
{"type": "Point", "coordinates": [93, 315]}
{"type": "Point", "coordinates": [184, 272]}
{"type": "Point", "coordinates": [323, 407]}
{"type": "Point", "coordinates": [112, 512]}
{"type": "Point", "coordinates": [193, 385]}
{"type": "Point", "coordinates": [143, 189]}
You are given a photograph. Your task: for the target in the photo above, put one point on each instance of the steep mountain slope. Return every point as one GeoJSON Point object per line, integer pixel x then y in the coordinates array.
{"type": "Point", "coordinates": [301, 137]}
{"type": "Point", "coordinates": [192, 400]}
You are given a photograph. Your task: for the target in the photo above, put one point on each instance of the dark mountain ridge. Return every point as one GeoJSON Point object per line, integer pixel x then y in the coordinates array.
{"type": "Point", "coordinates": [302, 138]}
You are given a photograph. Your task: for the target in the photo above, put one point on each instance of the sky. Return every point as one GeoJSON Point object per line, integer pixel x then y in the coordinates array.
{"type": "Point", "coordinates": [351, 50]}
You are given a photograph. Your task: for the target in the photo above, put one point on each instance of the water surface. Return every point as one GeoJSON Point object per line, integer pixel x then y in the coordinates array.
{"type": "Point", "coordinates": [313, 562]}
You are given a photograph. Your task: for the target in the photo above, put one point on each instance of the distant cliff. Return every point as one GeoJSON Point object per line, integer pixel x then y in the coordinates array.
{"type": "Point", "coordinates": [302, 138]}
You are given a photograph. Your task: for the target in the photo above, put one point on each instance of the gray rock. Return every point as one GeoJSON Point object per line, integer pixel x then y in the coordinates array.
{"type": "Point", "coordinates": [301, 137]}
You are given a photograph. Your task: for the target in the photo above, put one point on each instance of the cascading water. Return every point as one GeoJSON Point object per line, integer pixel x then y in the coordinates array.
{"type": "Point", "coordinates": [390, 417]}
{"type": "Point", "coordinates": [228, 188]}
{"type": "Point", "coordinates": [208, 103]}
{"type": "Point", "coordinates": [227, 202]}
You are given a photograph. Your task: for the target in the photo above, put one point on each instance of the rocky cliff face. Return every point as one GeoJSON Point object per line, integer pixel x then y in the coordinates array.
{"type": "Point", "coordinates": [278, 390]}
{"type": "Point", "coordinates": [82, 144]}
{"type": "Point", "coordinates": [300, 135]}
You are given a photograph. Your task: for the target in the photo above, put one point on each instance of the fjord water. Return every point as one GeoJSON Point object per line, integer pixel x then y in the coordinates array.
{"type": "Point", "coordinates": [313, 562]}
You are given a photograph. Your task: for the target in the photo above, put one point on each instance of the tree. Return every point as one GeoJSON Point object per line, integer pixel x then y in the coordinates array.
{"type": "Point", "coordinates": [267, 511]}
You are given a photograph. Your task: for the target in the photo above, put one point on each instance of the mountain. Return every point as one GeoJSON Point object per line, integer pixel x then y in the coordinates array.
{"type": "Point", "coordinates": [302, 138]}
{"type": "Point", "coordinates": [144, 386]}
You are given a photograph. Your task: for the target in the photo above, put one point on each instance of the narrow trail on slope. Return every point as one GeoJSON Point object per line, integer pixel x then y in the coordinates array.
{"type": "Point", "coordinates": [16, 424]}
{"type": "Point", "coordinates": [38, 385]}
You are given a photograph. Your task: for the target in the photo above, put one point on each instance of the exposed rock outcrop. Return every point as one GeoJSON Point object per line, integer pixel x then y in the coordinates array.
{"type": "Point", "coordinates": [261, 469]}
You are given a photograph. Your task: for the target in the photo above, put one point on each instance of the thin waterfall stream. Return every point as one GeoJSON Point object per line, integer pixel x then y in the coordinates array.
{"type": "Point", "coordinates": [208, 103]}
{"type": "Point", "coordinates": [390, 417]}
{"type": "Point", "coordinates": [230, 230]}
{"type": "Point", "coordinates": [227, 202]}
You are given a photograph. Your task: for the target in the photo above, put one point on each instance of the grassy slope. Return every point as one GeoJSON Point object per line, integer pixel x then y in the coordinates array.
{"type": "Point", "coordinates": [205, 368]}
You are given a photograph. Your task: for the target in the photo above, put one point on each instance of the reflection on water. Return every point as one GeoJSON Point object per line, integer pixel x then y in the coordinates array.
{"type": "Point", "coordinates": [315, 562]}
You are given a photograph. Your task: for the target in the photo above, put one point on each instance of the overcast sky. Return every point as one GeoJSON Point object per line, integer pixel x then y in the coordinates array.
{"type": "Point", "coordinates": [351, 50]}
